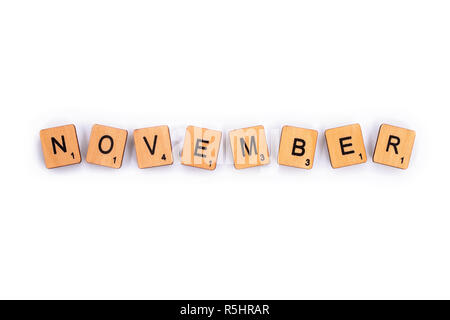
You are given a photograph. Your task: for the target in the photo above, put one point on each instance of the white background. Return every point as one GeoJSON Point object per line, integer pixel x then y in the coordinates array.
{"type": "Point", "coordinates": [85, 231]}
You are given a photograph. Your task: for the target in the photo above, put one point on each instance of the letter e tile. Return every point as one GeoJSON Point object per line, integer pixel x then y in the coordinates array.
{"type": "Point", "coordinates": [201, 148]}
{"type": "Point", "coordinates": [346, 146]}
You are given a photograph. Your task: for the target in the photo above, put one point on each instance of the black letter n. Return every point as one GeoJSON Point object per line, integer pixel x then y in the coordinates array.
{"type": "Point", "coordinates": [56, 143]}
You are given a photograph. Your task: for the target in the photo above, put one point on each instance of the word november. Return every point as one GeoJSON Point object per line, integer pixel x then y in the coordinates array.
{"type": "Point", "coordinates": [248, 145]}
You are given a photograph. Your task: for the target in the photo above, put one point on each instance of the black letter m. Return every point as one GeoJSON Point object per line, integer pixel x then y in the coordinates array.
{"type": "Point", "coordinates": [244, 146]}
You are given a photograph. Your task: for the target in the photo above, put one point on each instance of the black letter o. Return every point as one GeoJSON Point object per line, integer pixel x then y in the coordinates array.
{"type": "Point", "coordinates": [110, 147]}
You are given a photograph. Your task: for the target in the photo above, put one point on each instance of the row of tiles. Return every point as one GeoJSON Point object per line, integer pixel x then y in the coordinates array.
{"type": "Point", "coordinates": [249, 147]}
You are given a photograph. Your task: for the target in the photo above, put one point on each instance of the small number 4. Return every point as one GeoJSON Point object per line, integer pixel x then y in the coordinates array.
{"type": "Point", "coordinates": [163, 157]}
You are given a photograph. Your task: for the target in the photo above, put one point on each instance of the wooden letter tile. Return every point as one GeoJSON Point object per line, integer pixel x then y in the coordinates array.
{"type": "Point", "coordinates": [346, 146]}
{"type": "Point", "coordinates": [297, 147]}
{"type": "Point", "coordinates": [106, 146]}
{"type": "Point", "coordinates": [60, 146]}
{"type": "Point", "coordinates": [249, 147]}
{"type": "Point", "coordinates": [201, 148]}
{"type": "Point", "coordinates": [153, 147]}
{"type": "Point", "coordinates": [394, 146]}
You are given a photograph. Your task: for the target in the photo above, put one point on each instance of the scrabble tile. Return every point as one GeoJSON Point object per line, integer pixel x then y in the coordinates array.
{"type": "Point", "coordinates": [106, 146]}
{"type": "Point", "coordinates": [249, 147]}
{"type": "Point", "coordinates": [346, 146]}
{"type": "Point", "coordinates": [394, 146]}
{"type": "Point", "coordinates": [297, 147]}
{"type": "Point", "coordinates": [60, 146]}
{"type": "Point", "coordinates": [201, 148]}
{"type": "Point", "coordinates": [153, 147]}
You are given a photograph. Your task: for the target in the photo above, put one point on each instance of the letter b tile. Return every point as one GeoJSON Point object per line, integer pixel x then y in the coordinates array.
{"type": "Point", "coordinates": [394, 146]}
{"type": "Point", "coordinates": [60, 146]}
{"type": "Point", "coordinates": [297, 147]}
{"type": "Point", "coordinates": [346, 146]}
{"type": "Point", "coordinates": [201, 148]}
{"type": "Point", "coordinates": [106, 146]}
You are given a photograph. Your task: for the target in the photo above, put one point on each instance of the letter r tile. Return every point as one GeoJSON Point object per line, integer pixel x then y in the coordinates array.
{"type": "Point", "coordinates": [60, 146]}
{"type": "Point", "coordinates": [346, 146]}
{"type": "Point", "coordinates": [249, 147]}
{"type": "Point", "coordinates": [201, 148]}
{"type": "Point", "coordinates": [394, 146]}
{"type": "Point", "coordinates": [106, 146]}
